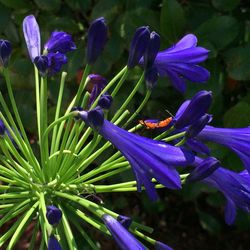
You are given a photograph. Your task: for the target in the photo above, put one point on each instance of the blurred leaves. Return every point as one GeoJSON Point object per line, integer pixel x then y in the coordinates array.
{"type": "Point", "coordinates": [209, 223]}
{"type": "Point", "coordinates": [225, 5]}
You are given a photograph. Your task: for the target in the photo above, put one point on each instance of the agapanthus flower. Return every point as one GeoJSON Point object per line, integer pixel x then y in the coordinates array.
{"type": "Point", "coordinates": [124, 239]}
{"type": "Point", "coordinates": [2, 128]}
{"type": "Point", "coordinates": [58, 44]}
{"type": "Point", "coordinates": [236, 189]}
{"type": "Point", "coordinates": [148, 158]}
{"type": "Point", "coordinates": [97, 38]}
{"type": "Point", "coordinates": [60, 41]}
{"type": "Point", "coordinates": [5, 51]}
{"type": "Point", "coordinates": [181, 61]}
{"type": "Point", "coordinates": [237, 139]}
{"type": "Point", "coordinates": [53, 244]}
{"type": "Point", "coordinates": [151, 77]}
{"type": "Point", "coordinates": [138, 46]}
{"type": "Point", "coordinates": [53, 215]}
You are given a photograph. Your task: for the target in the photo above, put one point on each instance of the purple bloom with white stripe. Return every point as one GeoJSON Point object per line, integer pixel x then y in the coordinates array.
{"type": "Point", "coordinates": [235, 187]}
{"type": "Point", "coordinates": [181, 62]}
{"type": "Point", "coordinates": [124, 239]}
{"type": "Point", "coordinates": [237, 139]}
{"type": "Point", "coordinates": [148, 158]}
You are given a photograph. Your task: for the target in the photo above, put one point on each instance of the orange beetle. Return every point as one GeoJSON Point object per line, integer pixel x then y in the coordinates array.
{"type": "Point", "coordinates": [154, 124]}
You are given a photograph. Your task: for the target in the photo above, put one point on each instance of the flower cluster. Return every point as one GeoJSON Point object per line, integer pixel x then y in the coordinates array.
{"type": "Point", "coordinates": [60, 173]}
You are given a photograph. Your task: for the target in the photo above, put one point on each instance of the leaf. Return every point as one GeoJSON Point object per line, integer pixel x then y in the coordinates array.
{"type": "Point", "coordinates": [16, 4]}
{"type": "Point", "coordinates": [209, 223]}
{"type": "Point", "coordinates": [48, 5]}
{"type": "Point", "coordinates": [237, 116]}
{"type": "Point", "coordinates": [172, 20]}
{"type": "Point", "coordinates": [4, 17]}
{"type": "Point", "coordinates": [225, 5]}
{"type": "Point", "coordinates": [220, 31]}
{"type": "Point", "coordinates": [238, 63]}
{"type": "Point", "coordinates": [79, 4]}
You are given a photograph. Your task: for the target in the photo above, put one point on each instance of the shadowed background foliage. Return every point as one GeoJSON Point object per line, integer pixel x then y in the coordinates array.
{"type": "Point", "coordinates": [187, 219]}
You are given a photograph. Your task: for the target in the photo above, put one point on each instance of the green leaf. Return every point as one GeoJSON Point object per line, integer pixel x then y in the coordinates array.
{"type": "Point", "coordinates": [4, 17]}
{"type": "Point", "coordinates": [237, 116]}
{"type": "Point", "coordinates": [238, 63]}
{"type": "Point", "coordinates": [78, 4]}
{"type": "Point", "coordinates": [209, 223]}
{"type": "Point", "coordinates": [225, 5]}
{"type": "Point", "coordinates": [172, 20]}
{"type": "Point", "coordinates": [48, 5]}
{"type": "Point", "coordinates": [220, 31]}
{"type": "Point", "coordinates": [16, 4]}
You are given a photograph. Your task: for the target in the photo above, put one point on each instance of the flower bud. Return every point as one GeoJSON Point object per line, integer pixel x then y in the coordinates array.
{"type": "Point", "coordinates": [151, 77]}
{"type": "Point", "coordinates": [197, 127]}
{"type": "Point", "coordinates": [2, 128]}
{"type": "Point", "coordinates": [5, 51]}
{"type": "Point", "coordinates": [138, 46]}
{"type": "Point", "coordinates": [105, 101]}
{"type": "Point", "coordinates": [60, 42]}
{"type": "Point", "coordinates": [53, 215]}
{"type": "Point", "coordinates": [197, 107]}
{"type": "Point", "coordinates": [203, 169]}
{"type": "Point", "coordinates": [97, 37]}
{"type": "Point", "coordinates": [53, 244]}
{"type": "Point", "coordinates": [152, 49]}
{"type": "Point", "coordinates": [42, 64]}
{"type": "Point", "coordinates": [32, 36]}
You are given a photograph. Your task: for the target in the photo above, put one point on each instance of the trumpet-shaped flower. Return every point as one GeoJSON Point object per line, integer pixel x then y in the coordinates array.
{"type": "Point", "coordinates": [237, 139]}
{"type": "Point", "coordinates": [148, 158]}
{"type": "Point", "coordinates": [181, 61]}
{"type": "Point", "coordinates": [122, 236]}
{"type": "Point", "coordinates": [235, 187]}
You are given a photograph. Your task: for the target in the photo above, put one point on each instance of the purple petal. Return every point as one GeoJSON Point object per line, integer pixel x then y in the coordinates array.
{"type": "Point", "coordinates": [230, 212]}
{"type": "Point", "coordinates": [177, 81]}
{"type": "Point", "coordinates": [32, 36]}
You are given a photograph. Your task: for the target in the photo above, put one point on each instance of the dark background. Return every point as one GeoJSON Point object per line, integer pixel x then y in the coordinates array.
{"type": "Point", "coordinates": [192, 218]}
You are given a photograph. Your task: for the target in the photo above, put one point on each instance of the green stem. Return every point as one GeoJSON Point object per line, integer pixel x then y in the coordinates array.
{"type": "Point", "coordinates": [173, 137]}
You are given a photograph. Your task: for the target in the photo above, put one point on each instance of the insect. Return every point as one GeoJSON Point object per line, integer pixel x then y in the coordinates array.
{"type": "Point", "coordinates": [154, 124]}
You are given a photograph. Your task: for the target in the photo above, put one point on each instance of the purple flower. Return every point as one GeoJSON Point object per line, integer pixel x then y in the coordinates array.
{"type": "Point", "coordinates": [105, 101]}
{"type": "Point", "coordinates": [56, 61]}
{"type": "Point", "coordinates": [98, 84]}
{"type": "Point", "coordinates": [235, 187]}
{"type": "Point", "coordinates": [32, 36]}
{"type": "Point", "coordinates": [60, 41]}
{"type": "Point", "coordinates": [148, 158]}
{"type": "Point", "coordinates": [180, 61]}
{"type": "Point", "coordinates": [123, 238]}
{"type": "Point", "coordinates": [138, 46]}
{"type": "Point", "coordinates": [42, 64]}
{"type": "Point", "coordinates": [2, 128]}
{"type": "Point", "coordinates": [5, 51]}
{"type": "Point", "coordinates": [53, 244]}
{"type": "Point", "coordinates": [151, 77]}
{"type": "Point", "coordinates": [192, 110]}
{"type": "Point", "coordinates": [97, 38]}
{"type": "Point", "coordinates": [237, 139]}
{"type": "Point", "coordinates": [152, 50]}
{"type": "Point", "coordinates": [161, 246]}
{"type": "Point", "coordinates": [53, 215]}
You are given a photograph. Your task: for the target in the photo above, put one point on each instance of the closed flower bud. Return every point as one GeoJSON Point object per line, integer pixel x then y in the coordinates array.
{"type": "Point", "coordinates": [152, 49]}
{"type": "Point", "coordinates": [195, 109]}
{"type": "Point", "coordinates": [97, 37]}
{"type": "Point", "coordinates": [42, 64]}
{"type": "Point", "coordinates": [5, 51]}
{"type": "Point", "coordinates": [151, 77]}
{"type": "Point", "coordinates": [53, 215]}
{"type": "Point", "coordinates": [138, 46]}
{"type": "Point", "coordinates": [197, 127]}
{"type": "Point", "coordinates": [105, 101]}
{"type": "Point", "coordinates": [53, 244]}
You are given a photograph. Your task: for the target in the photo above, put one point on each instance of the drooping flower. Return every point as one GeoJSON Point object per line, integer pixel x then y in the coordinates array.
{"type": "Point", "coordinates": [60, 41]}
{"type": "Point", "coordinates": [56, 61]}
{"type": "Point", "coordinates": [181, 61]}
{"type": "Point", "coordinates": [53, 244]}
{"type": "Point", "coordinates": [53, 215]}
{"type": "Point", "coordinates": [138, 46]}
{"type": "Point", "coordinates": [32, 36]}
{"type": "Point", "coordinates": [124, 239]}
{"type": "Point", "coordinates": [192, 110]}
{"type": "Point", "coordinates": [236, 189]}
{"type": "Point", "coordinates": [42, 64]}
{"type": "Point", "coordinates": [237, 139]}
{"type": "Point", "coordinates": [5, 51]}
{"type": "Point", "coordinates": [148, 158]}
{"type": "Point", "coordinates": [97, 38]}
